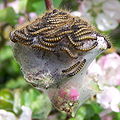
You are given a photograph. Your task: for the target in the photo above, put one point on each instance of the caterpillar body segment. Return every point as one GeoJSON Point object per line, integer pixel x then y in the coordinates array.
{"type": "Point", "coordinates": [88, 48]}
{"type": "Point", "coordinates": [69, 52]}
{"type": "Point", "coordinates": [84, 33]}
{"type": "Point", "coordinates": [87, 38]}
{"type": "Point", "coordinates": [46, 43]}
{"type": "Point", "coordinates": [59, 33]}
{"type": "Point", "coordinates": [40, 46]}
{"type": "Point", "coordinates": [81, 30]}
{"type": "Point", "coordinates": [64, 32]}
{"type": "Point", "coordinates": [21, 36]}
{"type": "Point", "coordinates": [72, 41]}
{"type": "Point", "coordinates": [28, 42]}
{"type": "Point", "coordinates": [41, 30]}
{"type": "Point", "coordinates": [55, 39]}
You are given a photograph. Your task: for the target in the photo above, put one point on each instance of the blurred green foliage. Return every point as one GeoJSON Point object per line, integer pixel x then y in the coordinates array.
{"type": "Point", "coordinates": [115, 36]}
{"type": "Point", "coordinates": [38, 6]}
{"type": "Point", "coordinates": [9, 69]}
{"type": "Point", "coordinates": [6, 99]}
{"type": "Point", "coordinates": [8, 15]}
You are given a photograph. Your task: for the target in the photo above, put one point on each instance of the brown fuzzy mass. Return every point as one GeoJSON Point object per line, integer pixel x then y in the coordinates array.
{"type": "Point", "coordinates": [56, 31]}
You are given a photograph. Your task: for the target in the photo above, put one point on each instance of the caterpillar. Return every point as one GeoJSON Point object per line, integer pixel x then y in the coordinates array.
{"type": "Point", "coordinates": [88, 48]}
{"type": "Point", "coordinates": [71, 67]}
{"type": "Point", "coordinates": [78, 69]}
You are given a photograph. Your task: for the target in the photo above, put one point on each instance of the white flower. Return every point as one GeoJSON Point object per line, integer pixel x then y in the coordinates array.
{"type": "Point", "coordinates": [106, 70]}
{"type": "Point", "coordinates": [110, 65]}
{"type": "Point", "coordinates": [105, 12]}
{"type": "Point", "coordinates": [112, 9]}
{"type": "Point", "coordinates": [14, 5]}
{"type": "Point", "coordinates": [18, 5]}
{"type": "Point", "coordinates": [95, 69]}
{"type": "Point", "coordinates": [4, 115]}
{"type": "Point", "coordinates": [96, 73]}
{"type": "Point", "coordinates": [105, 23]}
{"type": "Point", "coordinates": [83, 8]}
{"type": "Point", "coordinates": [109, 98]}
{"type": "Point", "coordinates": [26, 114]}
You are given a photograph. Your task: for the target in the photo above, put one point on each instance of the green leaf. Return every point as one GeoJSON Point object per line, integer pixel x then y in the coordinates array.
{"type": "Point", "coordinates": [89, 111]}
{"type": "Point", "coordinates": [17, 102]}
{"type": "Point", "coordinates": [57, 3]}
{"type": "Point", "coordinates": [115, 37]}
{"type": "Point", "coordinates": [6, 100]}
{"type": "Point", "coordinates": [8, 15]}
{"type": "Point", "coordinates": [95, 117]}
{"type": "Point", "coordinates": [81, 113]}
{"type": "Point", "coordinates": [41, 107]}
{"type": "Point", "coordinates": [39, 103]}
{"type": "Point", "coordinates": [5, 53]}
{"type": "Point", "coordinates": [23, 5]}
{"type": "Point", "coordinates": [16, 83]}
{"type": "Point", "coordinates": [69, 5]}
{"type": "Point", "coordinates": [96, 107]}
{"type": "Point", "coordinates": [39, 7]}
{"type": "Point", "coordinates": [116, 116]}
{"type": "Point", "coordinates": [72, 119]}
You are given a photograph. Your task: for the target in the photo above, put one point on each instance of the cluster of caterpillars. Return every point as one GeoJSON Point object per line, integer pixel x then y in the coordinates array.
{"type": "Point", "coordinates": [75, 68]}
{"type": "Point", "coordinates": [57, 31]}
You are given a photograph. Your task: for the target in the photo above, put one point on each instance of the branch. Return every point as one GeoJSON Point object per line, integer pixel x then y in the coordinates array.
{"type": "Point", "coordinates": [49, 4]}
{"type": "Point", "coordinates": [68, 117]}
{"type": "Point", "coordinates": [5, 3]}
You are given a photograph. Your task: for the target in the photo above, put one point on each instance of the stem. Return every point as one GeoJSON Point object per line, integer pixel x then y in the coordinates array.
{"type": "Point", "coordinates": [68, 117]}
{"type": "Point", "coordinates": [27, 18]}
{"type": "Point", "coordinates": [5, 3]}
{"type": "Point", "coordinates": [49, 4]}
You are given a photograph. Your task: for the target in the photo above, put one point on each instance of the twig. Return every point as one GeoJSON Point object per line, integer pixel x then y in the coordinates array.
{"type": "Point", "coordinates": [49, 4]}
{"type": "Point", "coordinates": [27, 17]}
{"type": "Point", "coordinates": [5, 3]}
{"type": "Point", "coordinates": [68, 117]}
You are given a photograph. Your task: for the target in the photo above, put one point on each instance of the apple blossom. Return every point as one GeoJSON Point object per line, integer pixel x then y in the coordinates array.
{"type": "Point", "coordinates": [109, 98]}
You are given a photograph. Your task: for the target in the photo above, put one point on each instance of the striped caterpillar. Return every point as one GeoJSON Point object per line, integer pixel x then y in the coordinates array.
{"type": "Point", "coordinates": [56, 31]}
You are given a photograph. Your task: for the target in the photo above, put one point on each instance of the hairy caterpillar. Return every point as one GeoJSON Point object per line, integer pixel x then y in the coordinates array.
{"type": "Point", "coordinates": [74, 69]}
{"type": "Point", "coordinates": [56, 31]}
